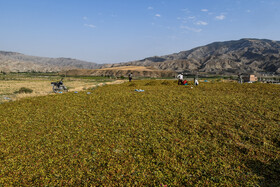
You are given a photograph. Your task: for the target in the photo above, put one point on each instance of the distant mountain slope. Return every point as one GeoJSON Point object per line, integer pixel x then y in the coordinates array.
{"type": "Point", "coordinates": [137, 71]}
{"type": "Point", "coordinates": [17, 62]}
{"type": "Point", "coordinates": [230, 57]}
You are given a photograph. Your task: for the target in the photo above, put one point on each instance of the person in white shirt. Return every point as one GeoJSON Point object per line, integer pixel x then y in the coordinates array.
{"type": "Point", "coordinates": [180, 79]}
{"type": "Point", "coordinates": [196, 82]}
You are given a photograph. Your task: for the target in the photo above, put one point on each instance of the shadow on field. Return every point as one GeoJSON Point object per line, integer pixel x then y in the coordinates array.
{"type": "Point", "coordinates": [269, 173]}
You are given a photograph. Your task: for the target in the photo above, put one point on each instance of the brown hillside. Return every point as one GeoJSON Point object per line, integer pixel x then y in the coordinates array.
{"type": "Point", "coordinates": [256, 56]}
{"type": "Point", "coordinates": [137, 71]}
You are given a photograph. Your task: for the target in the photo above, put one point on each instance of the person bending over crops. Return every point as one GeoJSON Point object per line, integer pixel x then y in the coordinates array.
{"type": "Point", "coordinates": [180, 79]}
{"type": "Point", "coordinates": [196, 82]}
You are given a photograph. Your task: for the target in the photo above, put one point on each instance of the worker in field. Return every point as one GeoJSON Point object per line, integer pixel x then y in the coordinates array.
{"type": "Point", "coordinates": [180, 79]}
{"type": "Point", "coordinates": [196, 82]}
{"type": "Point", "coordinates": [240, 79]}
{"type": "Point", "coordinates": [130, 76]}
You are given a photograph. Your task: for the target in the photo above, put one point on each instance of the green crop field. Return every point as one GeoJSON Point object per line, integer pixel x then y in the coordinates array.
{"type": "Point", "coordinates": [216, 134]}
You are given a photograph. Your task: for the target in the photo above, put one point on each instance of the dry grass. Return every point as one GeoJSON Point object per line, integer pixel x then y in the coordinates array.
{"type": "Point", "coordinates": [39, 88]}
{"type": "Point", "coordinates": [80, 85]}
{"type": "Point", "coordinates": [43, 87]}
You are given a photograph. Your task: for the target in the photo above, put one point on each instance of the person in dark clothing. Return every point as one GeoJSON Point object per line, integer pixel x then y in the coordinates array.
{"type": "Point", "coordinates": [130, 77]}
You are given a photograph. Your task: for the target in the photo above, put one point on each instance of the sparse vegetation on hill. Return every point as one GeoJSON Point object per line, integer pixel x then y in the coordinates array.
{"type": "Point", "coordinates": [17, 62]}
{"type": "Point", "coordinates": [216, 134]}
{"type": "Point", "coordinates": [223, 58]}
{"type": "Point", "coordinates": [229, 57]}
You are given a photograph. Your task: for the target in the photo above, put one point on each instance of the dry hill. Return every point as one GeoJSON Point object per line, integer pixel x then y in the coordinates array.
{"type": "Point", "coordinates": [17, 62]}
{"type": "Point", "coordinates": [229, 57]}
{"type": "Point", "coordinates": [138, 71]}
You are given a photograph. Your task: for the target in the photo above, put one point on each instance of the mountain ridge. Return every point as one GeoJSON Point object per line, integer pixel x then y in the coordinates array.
{"type": "Point", "coordinates": [247, 55]}
{"type": "Point", "coordinates": [18, 62]}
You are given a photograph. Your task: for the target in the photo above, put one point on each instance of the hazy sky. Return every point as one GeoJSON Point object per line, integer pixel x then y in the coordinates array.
{"type": "Point", "coordinates": [107, 31]}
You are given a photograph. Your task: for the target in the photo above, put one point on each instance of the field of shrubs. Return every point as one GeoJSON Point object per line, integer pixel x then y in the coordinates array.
{"type": "Point", "coordinates": [215, 134]}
